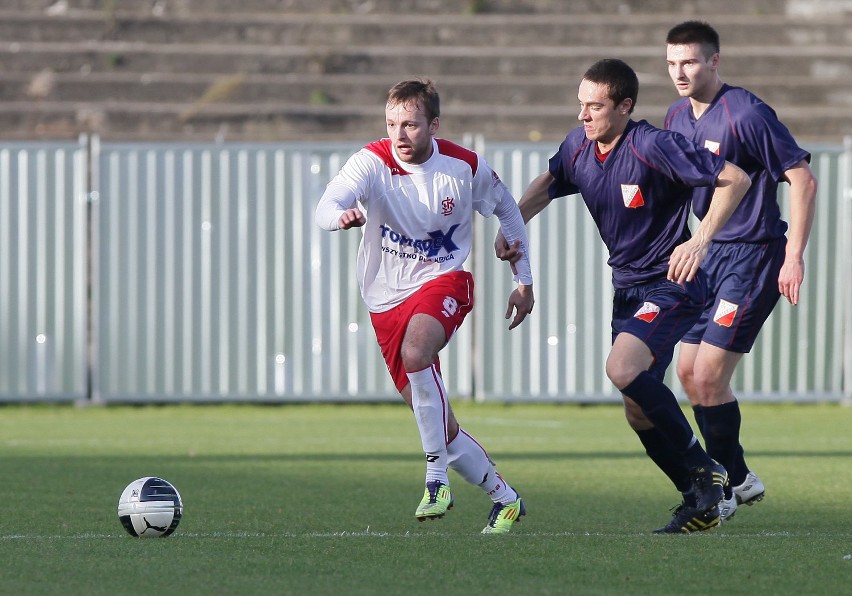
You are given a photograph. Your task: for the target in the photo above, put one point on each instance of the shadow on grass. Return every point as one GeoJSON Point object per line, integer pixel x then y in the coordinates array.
{"type": "Point", "coordinates": [411, 456]}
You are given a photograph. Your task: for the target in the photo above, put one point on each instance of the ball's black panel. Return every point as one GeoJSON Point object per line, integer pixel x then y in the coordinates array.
{"type": "Point", "coordinates": [128, 525]}
{"type": "Point", "coordinates": [157, 489]}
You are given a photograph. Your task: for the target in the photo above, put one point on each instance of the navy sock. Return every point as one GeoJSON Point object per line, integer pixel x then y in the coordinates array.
{"type": "Point", "coordinates": [698, 413]}
{"type": "Point", "coordinates": [721, 432]}
{"type": "Point", "coordinates": [667, 459]}
{"type": "Point", "coordinates": [660, 406]}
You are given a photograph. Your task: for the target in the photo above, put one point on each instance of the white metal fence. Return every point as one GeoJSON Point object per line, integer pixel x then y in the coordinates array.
{"type": "Point", "coordinates": [142, 273]}
{"type": "Point", "coordinates": [43, 272]}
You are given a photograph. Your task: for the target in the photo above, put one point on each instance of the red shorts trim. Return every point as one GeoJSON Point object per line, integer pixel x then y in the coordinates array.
{"type": "Point", "coordinates": [448, 299]}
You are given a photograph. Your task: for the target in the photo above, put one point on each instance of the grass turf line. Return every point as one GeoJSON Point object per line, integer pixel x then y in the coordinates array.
{"type": "Point", "coordinates": [320, 499]}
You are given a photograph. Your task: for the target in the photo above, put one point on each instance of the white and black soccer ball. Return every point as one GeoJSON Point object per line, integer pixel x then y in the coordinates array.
{"type": "Point", "coordinates": [150, 507]}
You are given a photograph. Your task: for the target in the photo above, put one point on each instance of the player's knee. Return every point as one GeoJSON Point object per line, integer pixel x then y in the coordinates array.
{"type": "Point", "coordinates": [707, 389]}
{"type": "Point", "coordinates": [415, 358]}
{"type": "Point", "coordinates": [620, 373]}
{"type": "Point", "coordinates": [686, 376]}
{"type": "Point", "coordinates": [684, 372]}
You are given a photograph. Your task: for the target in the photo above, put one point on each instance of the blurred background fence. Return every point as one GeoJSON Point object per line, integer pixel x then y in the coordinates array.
{"type": "Point", "coordinates": [173, 272]}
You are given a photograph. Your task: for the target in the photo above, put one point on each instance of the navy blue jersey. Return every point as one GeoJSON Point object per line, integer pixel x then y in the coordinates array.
{"type": "Point", "coordinates": [745, 131]}
{"type": "Point", "coordinates": [639, 196]}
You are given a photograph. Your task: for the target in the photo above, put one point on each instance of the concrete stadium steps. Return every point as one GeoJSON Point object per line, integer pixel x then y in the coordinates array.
{"type": "Point", "coordinates": [671, 8]}
{"type": "Point", "coordinates": [438, 61]}
{"type": "Point", "coordinates": [284, 69]}
{"type": "Point", "coordinates": [346, 31]}
{"type": "Point", "coordinates": [369, 90]}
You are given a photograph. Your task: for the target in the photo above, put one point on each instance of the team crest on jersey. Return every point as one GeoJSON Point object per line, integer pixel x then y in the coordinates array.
{"type": "Point", "coordinates": [631, 194]}
{"type": "Point", "coordinates": [451, 305]}
{"type": "Point", "coordinates": [447, 206]}
{"type": "Point", "coordinates": [725, 314]}
{"type": "Point", "coordinates": [712, 146]}
{"type": "Point", "coordinates": [648, 312]}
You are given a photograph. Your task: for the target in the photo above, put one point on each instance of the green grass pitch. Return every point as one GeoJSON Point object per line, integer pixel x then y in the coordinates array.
{"type": "Point", "coordinates": [319, 499]}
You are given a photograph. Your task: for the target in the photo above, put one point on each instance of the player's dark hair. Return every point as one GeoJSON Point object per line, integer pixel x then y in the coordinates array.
{"type": "Point", "coordinates": [421, 91]}
{"type": "Point", "coordinates": [699, 32]}
{"type": "Point", "coordinates": [621, 81]}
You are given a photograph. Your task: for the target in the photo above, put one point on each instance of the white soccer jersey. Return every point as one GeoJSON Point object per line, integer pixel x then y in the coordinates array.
{"type": "Point", "coordinates": [419, 217]}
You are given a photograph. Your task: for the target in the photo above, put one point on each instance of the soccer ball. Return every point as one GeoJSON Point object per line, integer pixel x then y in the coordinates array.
{"type": "Point", "coordinates": [150, 507]}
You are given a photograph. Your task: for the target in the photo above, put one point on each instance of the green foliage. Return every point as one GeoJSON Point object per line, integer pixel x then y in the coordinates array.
{"type": "Point", "coordinates": [115, 60]}
{"type": "Point", "coordinates": [320, 97]}
{"type": "Point", "coordinates": [477, 6]}
{"type": "Point", "coordinates": [319, 499]}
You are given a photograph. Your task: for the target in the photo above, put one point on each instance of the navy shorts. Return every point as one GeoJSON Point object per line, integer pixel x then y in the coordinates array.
{"type": "Point", "coordinates": [659, 313]}
{"type": "Point", "coordinates": [743, 282]}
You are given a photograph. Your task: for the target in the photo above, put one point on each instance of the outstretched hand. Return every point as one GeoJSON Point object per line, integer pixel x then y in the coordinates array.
{"type": "Point", "coordinates": [521, 301]}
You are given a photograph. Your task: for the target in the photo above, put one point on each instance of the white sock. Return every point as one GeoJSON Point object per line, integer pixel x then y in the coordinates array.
{"type": "Point", "coordinates": [429, 401]}
{"type": "Point", "coordinates": [471, 462]}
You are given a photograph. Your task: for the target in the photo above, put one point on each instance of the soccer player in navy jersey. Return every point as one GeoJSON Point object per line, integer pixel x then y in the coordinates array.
{"type": "Point", "coordinates": [414, 196]}
{"type": "Point", "coordinates": [637, 182]}
{"type": "Point", "coordinates": [750, 263]}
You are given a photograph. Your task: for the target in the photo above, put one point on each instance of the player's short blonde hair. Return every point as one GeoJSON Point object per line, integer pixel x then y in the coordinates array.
{"type": "Point", "coordinates": [421, 91]}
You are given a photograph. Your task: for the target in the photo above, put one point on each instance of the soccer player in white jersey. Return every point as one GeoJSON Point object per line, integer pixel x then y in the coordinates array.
{"type": "Point", "coordinates": [413, 196]}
